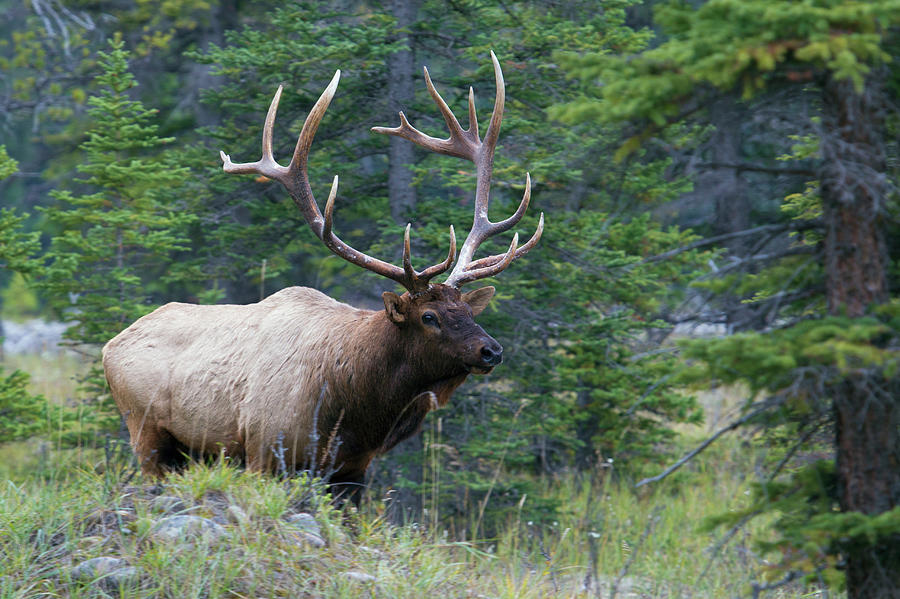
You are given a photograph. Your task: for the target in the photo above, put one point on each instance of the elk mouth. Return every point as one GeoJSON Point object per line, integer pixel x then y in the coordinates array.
{"type": "Point", "coordinates": [479, 369]}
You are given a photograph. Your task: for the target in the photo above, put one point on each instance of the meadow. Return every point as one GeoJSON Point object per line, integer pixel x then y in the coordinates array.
{"type": "Point", "coordinates": [61, 507]}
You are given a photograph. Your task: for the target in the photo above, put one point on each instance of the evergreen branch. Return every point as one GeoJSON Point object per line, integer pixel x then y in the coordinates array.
{"type": "Point", "coordinates": [795, 251]}
{"type": "Point", "coordinates": [726, 538]}
{"type": "Point", "coordinates": [763, 406]}
{"type": "Point", "coordinates": [758, 168]}
{"type": "Point", "coordinates": [774, 228]}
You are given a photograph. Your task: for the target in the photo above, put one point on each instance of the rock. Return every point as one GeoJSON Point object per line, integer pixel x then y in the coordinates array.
{"type": "Point", "coordinates": [358, 576]}
{"type": "Point", "coordinates": [98, 566]}
{"type": "Point", "coordinates": [377, 553]}
{"type": "Point", "coordinates": [308, 538]}
{"type": "Point", "coordinates": [121, 577]}
{"type": "Point", "coordinates": [110, 573]}
{"type": "Point", "coordinates": [236, 515]}
{"type": "Point", "coordinates": [305, 522]}
{"type": "Point", "coordinates": [32, 337]}
{"type": "Point", "coordinates": [167, 504]}
{"type": "Point", "coordinates": [191, 528]}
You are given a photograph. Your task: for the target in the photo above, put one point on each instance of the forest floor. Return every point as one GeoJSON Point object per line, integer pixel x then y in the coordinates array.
{"type": "Point", "coordinates": [216, 531]}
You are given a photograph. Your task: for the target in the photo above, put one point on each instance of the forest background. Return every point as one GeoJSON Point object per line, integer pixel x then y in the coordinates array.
{"type": "Point", "coordinates": [718, 179]}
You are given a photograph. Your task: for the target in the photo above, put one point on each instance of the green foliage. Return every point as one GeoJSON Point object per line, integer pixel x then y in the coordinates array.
{"type": "Point", "coordinates": [242, 221]}
{"type": "Point", "coordinates": [772, 361]}
{"type": "Point", "coordinates": [21, 413]}
{"type": "Point", "coordinates": [728, 43]}
{"type": "Point", "coordinates": [17, 247]}
{"type": "Point", "coordinates": [8, 165]}
{"type": "Point", "coordinates": [804, 365]}
{"type": "Point", "coordinates": [115, 240]}
{"type": "Point", "coordinates": [56, 514]}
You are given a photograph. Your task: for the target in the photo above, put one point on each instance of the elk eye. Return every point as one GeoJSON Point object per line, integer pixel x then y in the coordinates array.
{"type": "Point", "coordinates": [430, 319]}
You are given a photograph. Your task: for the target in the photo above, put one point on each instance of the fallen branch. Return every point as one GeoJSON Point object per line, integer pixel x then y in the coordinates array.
{"type": "Point", "coordinates": [690, 455]}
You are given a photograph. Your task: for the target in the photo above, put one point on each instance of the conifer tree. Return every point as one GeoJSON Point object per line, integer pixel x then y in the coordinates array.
{"type": "Point", "coordinates": [829, 359]}
{"type": "Point", "coordinates": [20, 411]}
{"type": "Point", "coordinates": [122, 222]}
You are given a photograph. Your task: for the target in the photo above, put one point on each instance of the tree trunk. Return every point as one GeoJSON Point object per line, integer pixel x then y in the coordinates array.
{"type": "Point", "coordinates": [866, 413]}
{"type": "Point", "coordinates": [401, 92]}
{"type": "Point", "coordinates": [585, 429]}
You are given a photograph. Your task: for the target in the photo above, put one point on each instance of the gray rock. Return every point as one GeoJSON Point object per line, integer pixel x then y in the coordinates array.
{"type": "Point", "coordinates": [109, 573]}
{"type": "Point", "coordinates": [305, 522]}
{"type": "Point", "coordinates": [121, 577]}
{"type": "Point", "coordinates": [236, 515]}
{"type": "Point", "coordinates": [189, 528]}
{"type": "Point", "coordinates": [370, 551]}
{"type": "Point", "coordinates": [93, 568]}
{"type": "Point", "coordinates": [308, 538]}
{"type": "Point", "coordinates": [358, 576]}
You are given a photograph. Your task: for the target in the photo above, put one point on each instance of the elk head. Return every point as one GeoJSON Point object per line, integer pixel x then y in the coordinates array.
{"type": "Point", "coordinates": [438, 314]}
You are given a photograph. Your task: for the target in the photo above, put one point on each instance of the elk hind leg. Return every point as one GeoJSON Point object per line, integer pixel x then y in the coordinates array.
{"type": "Point", "coordinates": [156, 449]}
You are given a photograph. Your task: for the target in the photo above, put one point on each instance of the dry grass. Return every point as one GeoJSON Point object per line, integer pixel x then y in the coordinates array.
{"type": "Point", "coordinates": [53, 376]}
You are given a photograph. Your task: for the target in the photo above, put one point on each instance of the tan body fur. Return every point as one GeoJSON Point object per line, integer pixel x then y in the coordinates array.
{"type": "Point", "coordinates": [246, 380]}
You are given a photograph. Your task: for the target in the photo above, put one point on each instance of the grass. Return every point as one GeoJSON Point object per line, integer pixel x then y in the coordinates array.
{"type": "Point", "coordinates": [646, 544]}
{"type": "Point", "coordinates": [59, 508]}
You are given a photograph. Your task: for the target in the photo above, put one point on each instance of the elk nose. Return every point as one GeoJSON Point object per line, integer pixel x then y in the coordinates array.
{"type": "Point", "coordinates": [492, 353]}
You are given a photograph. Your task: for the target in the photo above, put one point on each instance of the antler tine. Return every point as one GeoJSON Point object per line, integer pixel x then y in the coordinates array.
{"type": "Point", "coordinates": [493, 132]}
{"type": "Point", "coordinates": [462, 144]}
{"type": "Point", "coordinates": [453, 125]}
{"type": "Point", "coordinates": [433, 271]}
{"type": "Point", "coordinates": [521, 251]}
{"type": "Point", "coordinates": [407, 262]}
{"type": "Point", "coordinates": [329, 210]}
{"type": "Point", "coordinates": [420, 279]}
{"type": "Point", "coordinates": [489, 270]}
{"type": "Point", "coordinates": [266, 165]}
{"type": "Point", "coordinates": [467, 144]}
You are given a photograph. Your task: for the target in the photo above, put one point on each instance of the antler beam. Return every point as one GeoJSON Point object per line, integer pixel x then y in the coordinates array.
{"type": "Point", "coordinates": [295, 179]}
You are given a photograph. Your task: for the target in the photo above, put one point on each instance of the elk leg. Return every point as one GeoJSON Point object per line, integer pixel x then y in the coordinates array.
{"type": "Point", "coordinates": [156, 449]}
{"type": "Point", "coordinates": [349, 487]}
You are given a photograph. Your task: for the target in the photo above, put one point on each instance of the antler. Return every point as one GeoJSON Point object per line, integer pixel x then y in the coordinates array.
{"type": "Point", "coordinates": [295, 179]}
{"type": "Point", "coordinates": [467, 144]}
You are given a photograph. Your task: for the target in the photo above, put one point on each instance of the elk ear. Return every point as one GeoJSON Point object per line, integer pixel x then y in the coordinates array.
{"type": "Point", "coordinates": [394, 306]}
{"type": "Point", "coordinates": [478, 299]}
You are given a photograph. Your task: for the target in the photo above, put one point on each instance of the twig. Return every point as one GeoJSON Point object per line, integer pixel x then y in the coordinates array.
{"type": "Point", "coordinates": [487, 495]}
{"type": "Point", "coordinates": [788, 578]}
{"type": "Point", "coordinates": [690, 455]}
{"type": "Point", "coordinates": [774, 228]}
{"type": "Point", "coordinates": [651, 524]}
{"type": "Point", "coordinates": [758, 168]}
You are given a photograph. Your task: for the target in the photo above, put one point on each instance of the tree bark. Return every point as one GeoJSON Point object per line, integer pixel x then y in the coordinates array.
{"type": "Point", "coordinates": [854, 187]}
{"type": "Point", "coordinates": [401, 92]}
{"type": "Point", "coordinates": [585, 429]}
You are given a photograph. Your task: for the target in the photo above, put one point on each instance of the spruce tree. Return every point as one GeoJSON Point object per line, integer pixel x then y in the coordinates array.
{"type": "Point", "coordinates": [121, 224]}
{"type": "Point", "coordinates": [829, 358]}
{"type": "Point", "coordinates": [20, 411]}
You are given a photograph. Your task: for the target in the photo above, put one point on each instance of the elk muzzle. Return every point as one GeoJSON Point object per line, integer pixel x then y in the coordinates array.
{"type": "Point", "coordinates": [490, 354]}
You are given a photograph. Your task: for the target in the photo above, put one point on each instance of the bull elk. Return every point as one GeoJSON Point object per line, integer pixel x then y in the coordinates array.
{"type": "Point", "coordinates": [300, 377]}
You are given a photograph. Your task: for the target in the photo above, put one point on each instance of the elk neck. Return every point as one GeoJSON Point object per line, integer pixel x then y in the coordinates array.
{"type": "Point", "coordinates": [382, 400]}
